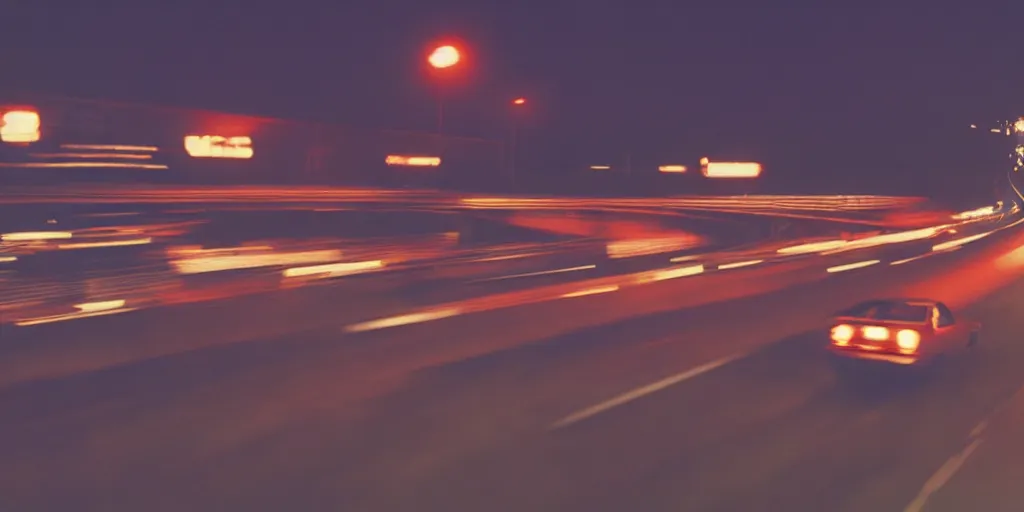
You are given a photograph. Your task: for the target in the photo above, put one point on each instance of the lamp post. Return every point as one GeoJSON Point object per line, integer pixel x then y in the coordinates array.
{"type": "Point", "coordinates": [443, 58]}
{"type": "Point", "coordinates": [1018, 147]}
{"type": "Point", "coordinates": [518, 105]}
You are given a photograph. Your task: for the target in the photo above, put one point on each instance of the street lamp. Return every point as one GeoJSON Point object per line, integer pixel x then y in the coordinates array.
{"type": "Point", "coordinates": [517, 104]}
{"type": "Point", "coordinates": [443, 58]}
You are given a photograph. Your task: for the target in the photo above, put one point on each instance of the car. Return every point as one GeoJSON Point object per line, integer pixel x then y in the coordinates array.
{"type": "Point", "coordinates": [898, 333]}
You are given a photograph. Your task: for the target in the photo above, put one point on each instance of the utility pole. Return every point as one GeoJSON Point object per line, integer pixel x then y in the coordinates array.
{"type": "Point", "coordinates": [514, 151]}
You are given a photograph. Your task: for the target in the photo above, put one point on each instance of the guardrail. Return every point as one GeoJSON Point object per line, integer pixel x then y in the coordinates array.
{"type": "Point", "coordinates": [253, 194]}
{"type": "Point", "coordinates": [468, 283]}
{"type": "Point", "coordinates": [426, 269]}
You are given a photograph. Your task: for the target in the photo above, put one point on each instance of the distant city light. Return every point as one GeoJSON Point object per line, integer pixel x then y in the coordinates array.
{"type": "Point", "coordinates": [672, 168]}
{"type": "Point", "coordinates": [600, 167]}
{"type": "Point", "coordinates": [731, 169]}
{"type": "Point", "coordinates": [444, 57]}
{"type": "Point", "coordinates": [19, 126]}
{"type": "Point", "coordinates": [1019, 126]}
{"type": "Point", "coordinates": [413, 161]}
{"type": "Point", "coordinates": [216, 146]}
{"type": "Point", "coordinates": [519, 101]}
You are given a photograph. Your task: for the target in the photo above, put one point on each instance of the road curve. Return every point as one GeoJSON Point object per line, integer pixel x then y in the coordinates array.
{"type": "Point", "coordinates": [726, 406]}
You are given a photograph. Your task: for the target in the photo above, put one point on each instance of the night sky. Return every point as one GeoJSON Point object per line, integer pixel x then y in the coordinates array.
{"type": "Point", "coordinates": [830, 95]}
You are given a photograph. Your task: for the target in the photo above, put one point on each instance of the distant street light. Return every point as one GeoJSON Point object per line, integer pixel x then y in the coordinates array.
{"type": "Point", "coordinates": [413, 161]}
{"type": "Point", "coordinates": [730, 170]}
{"type": "Point", "coordinates": [519, 101]}
{"type": "Point", "coordinates": [1007, 128]}
{"type": "Point", "coordinates": [672, 168]}
{"type": "Point", "coordinates": [443, 58]}
{"type": "Point", "coordinates": [600, 167]}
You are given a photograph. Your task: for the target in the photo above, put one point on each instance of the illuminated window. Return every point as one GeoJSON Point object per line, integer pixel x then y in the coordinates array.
{"type": "Point", "coordinates": [413, 161]}
{"type": "Point", "coordinates": [672, 168]}
{"type": "Point", "coordinates": [215, 146]}
{"type": "Point", "coordinates": [19, 126]}
{"type": "Point", "coordinates": [731, 169]}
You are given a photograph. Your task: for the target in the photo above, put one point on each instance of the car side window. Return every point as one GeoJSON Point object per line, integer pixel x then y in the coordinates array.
{"type": "Point", "coordinates": [945, 316]}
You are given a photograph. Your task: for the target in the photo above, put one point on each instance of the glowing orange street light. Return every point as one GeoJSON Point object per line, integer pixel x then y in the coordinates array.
{"type": "Point", "coordinates": [413, 161]}
{"type": "Point", "coordinates": [730, 169]}
{"type": "Point", "coordinates": [519, 101]}
{"type": "Point", "coordinates": [444, 57]}
{"type": "Point", "coordinates": [672, 168]}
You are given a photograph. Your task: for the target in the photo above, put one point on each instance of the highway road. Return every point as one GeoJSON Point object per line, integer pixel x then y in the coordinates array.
{"type": "Point", "coordinates": [985, 473]}
{"type": "Point", "coordinates": [695, 406]}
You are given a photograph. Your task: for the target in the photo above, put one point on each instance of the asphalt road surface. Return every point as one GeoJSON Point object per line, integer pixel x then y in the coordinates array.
{"type": "Point", "coordinates": [726, 406]}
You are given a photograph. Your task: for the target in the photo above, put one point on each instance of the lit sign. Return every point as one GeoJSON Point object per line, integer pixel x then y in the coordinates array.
{"type": "Point", "coordinates": [672, 168]}
{"type": "Point", "coordinates": [413, 161]}
{"type": "Point", "coordinates": [215, 146]}
{"type": "Point", "coordinates": [731, 169]}
{"type": "Point", "coordinates": [19, 126]}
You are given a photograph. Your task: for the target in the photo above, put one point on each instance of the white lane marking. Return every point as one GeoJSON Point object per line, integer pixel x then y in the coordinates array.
{"type": "Point", "coordinates": [951, 466]}
{"type": "Point", "coordinates": [669, 273]}
{"type": "Point", "coordinates": [681, 259]}
{"type": "Point", "coordinates": [539, 273]}
{"type": "Point", "coordinates": [641, 392]}
{"type": "Point", "coordinates": [727, 266]}
{"type": "Point", "coordinates": [28, 322]}
{"type": "Point", "coordinates": [333, 269]}
{"type": "Point", "coordinates": [959, 241]}
{"type": "Point", "coordinates": [590, 291]}
{"type": "Point", "coordinates": [978, 429]}
{"type": "Point", "coordinates": [925, 255]}
{"type": "Point", "coordinates": [851, 266]}
{"type": "Point", "coordinates": [411, 318]}
{"type": "Point", "coordinates": [942, 477]}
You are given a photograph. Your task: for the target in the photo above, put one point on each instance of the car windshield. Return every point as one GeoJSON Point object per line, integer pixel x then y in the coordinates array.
{"type": "Point", "coordinates": [890, 311]}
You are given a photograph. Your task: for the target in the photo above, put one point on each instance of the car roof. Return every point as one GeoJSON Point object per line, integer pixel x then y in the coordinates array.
{"type": "Point", "coordinates": [904, 300]}
{"type": "Point", "coordinates": [908, 301]}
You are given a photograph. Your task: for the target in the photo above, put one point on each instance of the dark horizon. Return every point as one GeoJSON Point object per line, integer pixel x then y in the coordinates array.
{"type": "Point", "coordinates": [828, 96]}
